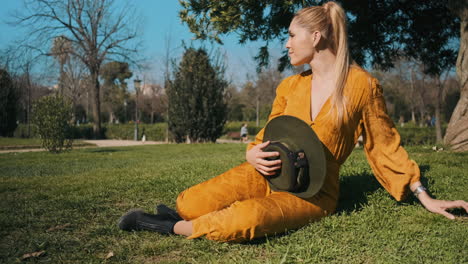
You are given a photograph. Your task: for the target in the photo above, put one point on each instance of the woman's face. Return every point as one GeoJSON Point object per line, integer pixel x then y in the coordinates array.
{"type": "Point", "coordinates": [300, 44]}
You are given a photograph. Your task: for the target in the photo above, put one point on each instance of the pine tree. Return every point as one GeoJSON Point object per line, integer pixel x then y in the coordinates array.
{"type": "Point", "coordinates": [197, 109]}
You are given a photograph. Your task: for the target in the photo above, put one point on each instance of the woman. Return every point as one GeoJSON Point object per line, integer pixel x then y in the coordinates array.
{"type": "Point", "coordinates": [340, 102]}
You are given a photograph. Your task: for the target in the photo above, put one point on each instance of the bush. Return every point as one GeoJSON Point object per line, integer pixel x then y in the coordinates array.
{"type": "Point", "coordinates": [235, 126]}
{"type": "Point", "coordinates": [51, 120]}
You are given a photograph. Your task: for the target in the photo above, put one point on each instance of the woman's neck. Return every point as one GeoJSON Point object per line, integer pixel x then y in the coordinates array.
{"type": "Point", "coordinates": [323, 65]}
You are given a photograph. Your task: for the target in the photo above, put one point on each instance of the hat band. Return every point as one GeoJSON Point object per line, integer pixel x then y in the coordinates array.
{"type": "Point", "coordinates": [297, 164]}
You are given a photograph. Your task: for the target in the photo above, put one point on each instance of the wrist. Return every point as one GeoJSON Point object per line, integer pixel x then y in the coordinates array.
{"type": "Point", "coordinates": [424, 197]}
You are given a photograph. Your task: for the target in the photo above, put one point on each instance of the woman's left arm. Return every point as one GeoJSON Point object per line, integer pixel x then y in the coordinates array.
{"type": "Point", "coordinates": [390, 163]}
{"type": "Point", "coordinates": [434, 205]}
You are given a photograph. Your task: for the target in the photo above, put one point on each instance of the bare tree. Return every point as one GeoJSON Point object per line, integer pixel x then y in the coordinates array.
{"type": "Point", "coordinates": [95, 28]}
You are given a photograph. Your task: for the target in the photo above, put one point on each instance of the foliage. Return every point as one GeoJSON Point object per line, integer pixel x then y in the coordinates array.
{"type": "Point", "coordinates": [8, 108]}
{"type": "Point", "coordinates": [114, 89]}
{"type": "Point", "coordinates": [196, 98]}
{"type": "Point", "coordinates": [80, 201]}
{"type": "Point", "coordinates": [378, 30]}
{"type": "Point", "coordinates": [51, 119]}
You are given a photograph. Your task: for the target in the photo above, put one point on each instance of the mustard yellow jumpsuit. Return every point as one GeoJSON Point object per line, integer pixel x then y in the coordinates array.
{"type": "Point", "coordinates": [238, 205]}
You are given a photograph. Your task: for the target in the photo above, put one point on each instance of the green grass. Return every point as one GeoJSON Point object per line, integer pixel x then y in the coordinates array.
{"type": "Point", "coordinates": [89, 189]}
{"type": "Point", "coordinates": [30, 143]}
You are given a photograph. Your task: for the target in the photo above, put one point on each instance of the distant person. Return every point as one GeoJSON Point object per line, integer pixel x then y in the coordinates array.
{"type": "Point", "coordinates": [143, 137]}
{"type": "Point", "coordinates": [339, 101]}
{"type": "Point", "coordinates": [244, 133]}
{"type": "Point", "coordinates": [428, 121]}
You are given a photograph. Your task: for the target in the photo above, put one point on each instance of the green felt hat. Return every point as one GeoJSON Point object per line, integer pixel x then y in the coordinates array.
{"type": "Point", "coordinates": [303, 164]}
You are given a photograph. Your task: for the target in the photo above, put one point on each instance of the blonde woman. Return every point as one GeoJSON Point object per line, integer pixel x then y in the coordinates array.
{"type": "Point", "coordinates": [340, 102]}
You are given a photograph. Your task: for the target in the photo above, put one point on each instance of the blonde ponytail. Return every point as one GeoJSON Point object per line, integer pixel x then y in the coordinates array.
{"type": "Point", "coordinates": [330, 20]}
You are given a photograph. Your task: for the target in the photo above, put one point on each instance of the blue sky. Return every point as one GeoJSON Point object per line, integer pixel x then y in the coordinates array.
{"type": "Point", "coordinates": [160, 20]}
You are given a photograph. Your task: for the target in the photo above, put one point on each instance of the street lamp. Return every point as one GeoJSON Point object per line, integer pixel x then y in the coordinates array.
{"type": "Point", "coordinates": [137, 85]}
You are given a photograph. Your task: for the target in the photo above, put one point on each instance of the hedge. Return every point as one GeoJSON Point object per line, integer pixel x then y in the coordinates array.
{"type": "Point", "coordinates": [410, 135]}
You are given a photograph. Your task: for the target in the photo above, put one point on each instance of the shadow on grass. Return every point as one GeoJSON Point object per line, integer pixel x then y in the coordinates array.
{"type": "Point", "coordinates": [104, 150]}
{"type": "Point", "coordinates": [355, 188]}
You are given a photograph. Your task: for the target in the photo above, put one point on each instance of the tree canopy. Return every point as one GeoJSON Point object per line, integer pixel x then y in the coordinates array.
{"type": "Point", "coordinates": [379, 30]}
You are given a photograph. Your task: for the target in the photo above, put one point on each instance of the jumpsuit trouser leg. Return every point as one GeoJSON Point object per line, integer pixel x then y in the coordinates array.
{"type": "Point", "coordinates": [239, 205]}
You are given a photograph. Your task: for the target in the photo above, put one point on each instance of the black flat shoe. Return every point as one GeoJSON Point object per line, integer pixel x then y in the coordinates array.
{"type": "Point", "coordinates": [165, 210]}
{"type": "Point", "coordinates": [136, 219]}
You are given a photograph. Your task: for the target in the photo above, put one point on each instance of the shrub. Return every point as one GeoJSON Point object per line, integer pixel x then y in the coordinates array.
{"type": "Point", "coordinates": [51, 116]}
{"type": "Point", "coordinates": [235, 126]}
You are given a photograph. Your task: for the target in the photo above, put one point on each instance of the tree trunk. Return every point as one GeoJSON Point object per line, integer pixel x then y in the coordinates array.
{"type": "Point", "coordinates": [96, 105]}
{"type": "Point", "coordinates": [457, 130]}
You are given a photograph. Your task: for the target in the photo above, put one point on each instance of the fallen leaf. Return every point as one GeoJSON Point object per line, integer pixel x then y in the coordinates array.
{"type": "Point", "coordinates": [33, 255]}
{"type": "Point", "coordinates": [58, 227]}
{"type": "Point", "coordinates": [109, 255]}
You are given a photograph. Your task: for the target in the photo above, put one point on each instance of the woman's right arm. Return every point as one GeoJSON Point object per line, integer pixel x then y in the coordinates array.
{"type": "Point", "coordinates": [255, 154]}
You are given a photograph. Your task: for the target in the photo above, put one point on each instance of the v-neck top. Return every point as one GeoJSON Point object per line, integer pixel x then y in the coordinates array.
{"type": "Point", "coordinates": [366, 115]}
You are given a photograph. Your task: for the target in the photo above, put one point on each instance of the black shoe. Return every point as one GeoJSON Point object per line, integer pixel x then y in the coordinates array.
{"type": "Point", "coordinates": [136, 219]}
{"type": "Point", "coordinates": [162, 209]}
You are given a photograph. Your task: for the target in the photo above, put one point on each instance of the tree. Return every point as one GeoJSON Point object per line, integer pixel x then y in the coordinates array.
{"type": "Point", "coordinates": [235, 104]}
{"type": "Point", "coordinates": [114, 74]}
{"type": "Point", "coordinates": [379, 32]}
{"type": "Point", "coordinates": [154, 102]}
{"type": "Point", "coordinates": [457, 130]}
{"type": "Point", "coordinates": [93, 28]}
{"type": "Point", "coordinates": [197, 109]}
{"type": "Point", "coordinates": [8, 100]}
{"type": "Point", "coordinates": [61, 50]}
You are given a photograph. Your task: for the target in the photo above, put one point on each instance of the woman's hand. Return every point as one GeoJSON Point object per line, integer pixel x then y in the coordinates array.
{"type": "Point", "coordinates": [438, 206]}
{"type": "Point", "coordinates": [441, 206]}
{"type": "Point", "coordinates": [256, 156]}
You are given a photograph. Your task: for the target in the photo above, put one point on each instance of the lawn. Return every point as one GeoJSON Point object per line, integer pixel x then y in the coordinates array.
{"type": "Point", "coordinates": [67, 205]}
{"type": "Point", "coordinates": [30, 143]}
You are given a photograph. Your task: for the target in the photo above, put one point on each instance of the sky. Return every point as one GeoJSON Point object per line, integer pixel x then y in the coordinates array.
{"type": "Point", "coordinates": [160, 19]}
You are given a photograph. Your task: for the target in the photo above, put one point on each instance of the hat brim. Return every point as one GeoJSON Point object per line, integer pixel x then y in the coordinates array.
{"type": "Point", "coordinates": [302, 135]}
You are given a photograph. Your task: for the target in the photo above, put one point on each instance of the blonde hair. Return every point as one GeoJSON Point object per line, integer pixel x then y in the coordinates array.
{"type": "Point", "coordinates": [330, 20]}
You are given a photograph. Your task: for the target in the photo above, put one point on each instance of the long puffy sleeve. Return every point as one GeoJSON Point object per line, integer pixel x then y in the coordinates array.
{"type": "Point", "coordinates": [388, 160]}
{"type": "Point", "coordinates": [276, 109]}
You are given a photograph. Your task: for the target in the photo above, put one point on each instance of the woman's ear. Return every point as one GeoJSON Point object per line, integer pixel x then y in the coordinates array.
{"type": "Point", "coordinates": [316, 36]}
